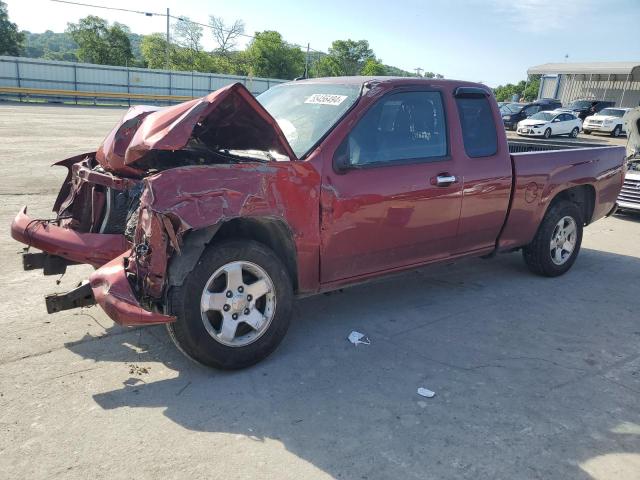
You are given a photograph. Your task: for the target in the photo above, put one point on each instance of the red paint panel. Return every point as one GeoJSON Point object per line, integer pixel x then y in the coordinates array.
{"type": "Point", "coordinates": [540, 176]}
{"type": "Point", "coordinates": [113, 293]}
{"type": "Point", "coordinates": [93, 248]}
{"type": "Point", "coordinates": [192, 198]}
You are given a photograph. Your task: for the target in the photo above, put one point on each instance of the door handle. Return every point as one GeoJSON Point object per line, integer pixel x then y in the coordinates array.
{"type": "Point", "coordinates": [445, 180]}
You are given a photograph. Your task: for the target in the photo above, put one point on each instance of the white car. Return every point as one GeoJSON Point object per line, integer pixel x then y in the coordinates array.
{"type": "Point", "coordinates": [608, 120]}
{"type": "Point", "coordinates": [546, 124]}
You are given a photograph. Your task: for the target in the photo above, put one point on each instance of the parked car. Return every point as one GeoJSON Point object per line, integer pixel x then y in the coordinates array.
{"type": "Point", "coordinates": [608, 120]}
{"type": "Point", "coordinates": [513, 113]}
{"type": "Point", "coordinates": [547, 124]}
{"type": "Point", "coordinates": [211, 216]}
{"type": "Point", "coordinates": [629, 198]}
{"type": "Point", "coordinates": [583, 108]}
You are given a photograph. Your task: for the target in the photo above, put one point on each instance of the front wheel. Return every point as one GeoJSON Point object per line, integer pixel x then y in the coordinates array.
{"type": "Point", "coordinates": [557, 242]}
{"type": "Point", "coordinates": [574, 133]}
{"type": "Point", "coordinates": [234, 308]}
{"type": "Point", "coordinates": [616, 131]}
{"type": "Point", "coordinates": [547, 133]}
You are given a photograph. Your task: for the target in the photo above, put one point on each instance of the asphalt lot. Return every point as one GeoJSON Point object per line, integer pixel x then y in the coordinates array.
{"type": "Point", "coordinates": [534, 377]}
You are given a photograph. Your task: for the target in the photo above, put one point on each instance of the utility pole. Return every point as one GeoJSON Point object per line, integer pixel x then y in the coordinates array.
{"type": "Point", "coordinates": [419, 71]}
{"type": "Point", "coordinates": [167, 62]}
{"type": "Point", "coordinates": [306, 63]}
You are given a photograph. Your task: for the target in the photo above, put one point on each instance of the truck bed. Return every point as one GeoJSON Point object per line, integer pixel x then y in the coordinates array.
{"type": "Point", "coordinates": [524, 146]}
{"type": "Point", "coordinates": [542, 169]}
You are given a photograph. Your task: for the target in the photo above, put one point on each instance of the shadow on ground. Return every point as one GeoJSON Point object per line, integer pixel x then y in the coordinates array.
{"type": "Point", "coordinates": [543, 383]}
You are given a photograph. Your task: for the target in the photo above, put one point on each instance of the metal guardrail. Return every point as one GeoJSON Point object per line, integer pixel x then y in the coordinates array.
{"type": "Point", "coordinates": [49, 80]}
{"type": "Point", "coordinates": [45, 92]}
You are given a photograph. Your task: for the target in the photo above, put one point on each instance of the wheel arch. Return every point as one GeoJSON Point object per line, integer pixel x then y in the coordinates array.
{"type": "Point", "coordinates": [584, 196]}
{"type": "Point", "coordinates": [270, 231]}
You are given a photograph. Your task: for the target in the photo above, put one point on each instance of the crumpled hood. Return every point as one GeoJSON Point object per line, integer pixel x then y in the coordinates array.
{"type": "Point", "coordinates": [229, 118]}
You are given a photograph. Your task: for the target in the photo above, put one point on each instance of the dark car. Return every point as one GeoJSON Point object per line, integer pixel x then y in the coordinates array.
{"type": "Point", "coordinates": [585, 107]}
{"type": "Point", "coordinates": [512, 113]}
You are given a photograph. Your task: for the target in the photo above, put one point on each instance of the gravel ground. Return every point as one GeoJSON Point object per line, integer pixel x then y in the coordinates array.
{"type": "Point", "coordinates": [534, 377]}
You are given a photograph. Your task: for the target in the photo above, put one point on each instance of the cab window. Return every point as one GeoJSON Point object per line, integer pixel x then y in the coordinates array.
{"type": "Point", "coordinates": [478, 126]}
{"type": "Point", "coordinates": [401, 127]}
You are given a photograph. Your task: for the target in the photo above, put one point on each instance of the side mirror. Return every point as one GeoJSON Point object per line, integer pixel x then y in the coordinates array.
{"type": "Point", "coordinates": [556, 120]}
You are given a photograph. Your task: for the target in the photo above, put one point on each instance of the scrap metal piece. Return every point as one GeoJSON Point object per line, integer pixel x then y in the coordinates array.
{"type": "Point", "coordinates": [50, 264]}
{"type": "Point", "coordinates": [78, 297]}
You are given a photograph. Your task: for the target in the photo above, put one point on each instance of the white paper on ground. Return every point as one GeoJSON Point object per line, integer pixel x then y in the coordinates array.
{"type": "Point", "coordinates": [425, 392]}
{"type": "Point", "coordinates": [358, 338]}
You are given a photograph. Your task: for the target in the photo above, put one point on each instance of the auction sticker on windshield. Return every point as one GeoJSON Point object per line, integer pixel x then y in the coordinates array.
{"type": "Point", "coordinates": [325, 99]}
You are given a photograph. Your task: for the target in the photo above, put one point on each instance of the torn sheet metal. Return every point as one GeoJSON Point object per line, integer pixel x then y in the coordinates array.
{"type": "Point", "coordinates": [229, 118]}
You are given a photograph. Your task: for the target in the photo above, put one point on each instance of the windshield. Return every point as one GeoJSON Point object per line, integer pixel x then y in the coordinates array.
{"type": "Point", "coordinates": [511, 108]}
{"type": "Point", "coordinates": [546, 116]}
{"type": "Point", "coordinates": [580, 104]}
{"type": "Point", "coordinates": [307, 111]}
{"type": "Point", "coordinates": [612, 112]}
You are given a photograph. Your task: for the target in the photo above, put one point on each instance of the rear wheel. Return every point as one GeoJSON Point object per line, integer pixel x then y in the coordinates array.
{"type": "Point", "coordinates": [234, 308]}
{"type": "Point", "coordinates": [616, 131]}
{"type": "Point", "coordinates": [574, 133]}
{"type": "Point", "coordinates": [557, 242]}
{"type": "Point", "coordinates": [547, 133]}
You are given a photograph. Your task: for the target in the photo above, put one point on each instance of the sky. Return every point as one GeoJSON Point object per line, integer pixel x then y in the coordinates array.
{"type": "Point", "coordinates": [489, 41]}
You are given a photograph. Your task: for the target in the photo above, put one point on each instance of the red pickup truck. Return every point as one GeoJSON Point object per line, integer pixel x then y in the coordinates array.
{"type": "Point", "coordinates": [212, 215]}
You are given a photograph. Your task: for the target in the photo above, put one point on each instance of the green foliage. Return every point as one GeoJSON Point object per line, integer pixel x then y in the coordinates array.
{"type": "Point", "coordinates": [10, 38]}
{"type": "Point", "coordinates": [269, 56]}
{"type": "Point", "coordinates": [398, 72]}
{"type": "Point", "coordinates": [100, 43]}
{"type": "Point", "coordinates": [346, 57]}
{"type": "Point", "coordinates": [373, 67]}
{"type": "Point", "coordinates": [50, 45]}
{"type": "Point", "coordinates": [94, 40]}
{"type": "Point", "coordinates": [528, 90]}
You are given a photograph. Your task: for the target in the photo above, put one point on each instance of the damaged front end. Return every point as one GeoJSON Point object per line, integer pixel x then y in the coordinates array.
{"type": "Point", "coordinates": [108, 210]}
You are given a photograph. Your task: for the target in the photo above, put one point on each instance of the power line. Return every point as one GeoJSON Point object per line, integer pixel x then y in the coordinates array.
{"type": "Point", "coordinates": [148, 14]}
{"type": "Point", "coordinates": [181, 19]}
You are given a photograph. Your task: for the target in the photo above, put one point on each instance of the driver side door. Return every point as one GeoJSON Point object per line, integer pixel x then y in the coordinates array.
{"type": "Point", "coordinates": [395, 199]}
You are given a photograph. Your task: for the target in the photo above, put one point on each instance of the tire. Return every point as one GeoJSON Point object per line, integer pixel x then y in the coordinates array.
{"type": "Point", "coordinates": [538, 254]}
{"type": "Point", "coordinates": [547, 133]}
{"type": "Point", "coordinates": [616, 131]}
{"type": "Point", "coordinates": [587, 132]}
{"type": "Point", "coordinates": [198, 331]}
{"type": "Point", "coordinates": [574, 133]}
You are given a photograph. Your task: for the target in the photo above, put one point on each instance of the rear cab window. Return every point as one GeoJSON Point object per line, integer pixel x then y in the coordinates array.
{"type": "Point", "coordinates": [478, 126]}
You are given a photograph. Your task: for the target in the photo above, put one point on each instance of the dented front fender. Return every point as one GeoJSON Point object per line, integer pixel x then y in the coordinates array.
{"type": "Point", "coordinates": [182, 200]}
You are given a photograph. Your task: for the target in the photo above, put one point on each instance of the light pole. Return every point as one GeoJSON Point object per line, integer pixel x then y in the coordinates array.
{"type": "Point", "coordinates": [167, 64]}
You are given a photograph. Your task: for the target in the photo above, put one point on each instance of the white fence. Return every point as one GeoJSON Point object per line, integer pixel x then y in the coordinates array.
{"type": "Point", "coordinates": [120, 84]}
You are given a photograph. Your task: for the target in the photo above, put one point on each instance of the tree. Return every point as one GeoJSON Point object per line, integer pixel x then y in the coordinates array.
{"type": "Point", "coordinates": [225, 35]}
{"type": "Point", "coordinates": [187, 34]}
{"type": "Point", "coordinates": [10, 38]}
{"type": "Point", "coordinates": [100, 43]}
{"type": "Point", "coordinates": [528, 90]}
{"type": "Point", "coordinates": [188, 37]}
{"type": "Point", "coordinates": [269, 56]}
{"type": "Point", "coordinates": [154, 50]}
{"type": "Point", "coordinates": [50, 45]}
{"type": "Point", "coordinates": [373, 67]}
{"type": "Point", "coordinates": [346, 57]}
